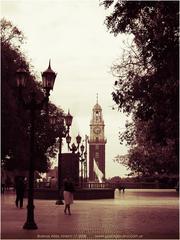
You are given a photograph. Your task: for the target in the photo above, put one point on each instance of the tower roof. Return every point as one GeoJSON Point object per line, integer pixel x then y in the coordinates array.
{"type": "Point", "coordinates": [97, 106]}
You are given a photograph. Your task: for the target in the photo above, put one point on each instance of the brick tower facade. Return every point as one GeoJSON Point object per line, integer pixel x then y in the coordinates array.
{"type": "Point", "coordinates": [97, 142]}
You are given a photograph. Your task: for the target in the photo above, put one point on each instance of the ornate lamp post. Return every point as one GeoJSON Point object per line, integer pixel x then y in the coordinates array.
{"type": "Point", "coordinates": [85, 162]}
{"type": "Point", "coordinates": [73, 148]}
{"type": "Point", "coordinates": [63, 132]}
{"type": "Point", "coordinates": [48, 78]}
{"type": "Point", "coordinates": [85, 167]}
{"type": "Point", "coordinates": [82, 159]}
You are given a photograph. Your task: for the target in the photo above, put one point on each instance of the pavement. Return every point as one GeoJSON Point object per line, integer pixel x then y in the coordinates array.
{"type": "Point", "coordinates": [135, 214]}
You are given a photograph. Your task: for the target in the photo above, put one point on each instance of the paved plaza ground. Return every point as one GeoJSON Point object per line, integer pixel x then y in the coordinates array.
{"type": "Point", "coordinates": [135, 214]}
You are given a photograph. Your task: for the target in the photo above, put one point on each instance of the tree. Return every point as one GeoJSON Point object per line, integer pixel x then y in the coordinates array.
{"type": "Point", "coordinates": [147, 85]}
{"type": "Point", "coordinates": [13, 134]}
{"type": "Point", "coordinates": [15, 120]}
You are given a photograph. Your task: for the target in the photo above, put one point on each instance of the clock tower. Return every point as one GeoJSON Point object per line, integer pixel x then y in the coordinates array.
{"type": "Point", "coordinates": [97, 142]}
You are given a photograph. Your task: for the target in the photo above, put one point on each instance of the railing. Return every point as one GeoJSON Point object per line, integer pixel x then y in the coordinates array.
{"type": "Point", "coordinates": [94, 185]}
{"type": "Point", "coordinates": [84, 185]}
{"type": "Point", "coordinates": [120, 186]}
{"type": "Point", "coordinates": [102, 185]}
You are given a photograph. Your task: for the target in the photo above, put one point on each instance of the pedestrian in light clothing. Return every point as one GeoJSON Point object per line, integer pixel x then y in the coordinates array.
{"type": "Point", "coordinates": [68, 195]}
{"type": "Point", "coordinates": [20, 188]}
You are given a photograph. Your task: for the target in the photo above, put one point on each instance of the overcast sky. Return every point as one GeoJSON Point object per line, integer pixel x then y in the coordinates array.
{"type": "Point", "coordinates": [73, 35]}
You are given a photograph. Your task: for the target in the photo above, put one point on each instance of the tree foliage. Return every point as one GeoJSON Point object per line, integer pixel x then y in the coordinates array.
{"type": "Point", "coordinates": [15, 121]}
{"type": "Point", "coordinates": [147, 81]}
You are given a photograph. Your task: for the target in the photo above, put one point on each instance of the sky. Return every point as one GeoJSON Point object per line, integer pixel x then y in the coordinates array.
{"type": "Point", "coordinates": [73, 35]}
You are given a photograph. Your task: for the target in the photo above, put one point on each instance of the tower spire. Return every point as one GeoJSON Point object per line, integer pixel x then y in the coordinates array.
{"type": "Point", "coordinates": [49, 64]}
{"type": "Point", "coordinates": [97, 98]}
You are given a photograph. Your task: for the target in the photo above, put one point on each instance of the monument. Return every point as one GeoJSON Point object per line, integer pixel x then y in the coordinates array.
{"type": "Point", "coordinates": [70, 167]}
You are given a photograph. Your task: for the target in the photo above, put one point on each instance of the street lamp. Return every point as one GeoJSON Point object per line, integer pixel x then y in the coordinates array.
{"type": "Point", "coordinates": [85, 162]}
{"type": "Point", "coordinates": [63, 132]}
{"type": "Point", "coordinates": [73, 147]}
{"type": "Point", "coordinates": [48, 78]}
{"type": "Point", "coordinates": [82, 159]}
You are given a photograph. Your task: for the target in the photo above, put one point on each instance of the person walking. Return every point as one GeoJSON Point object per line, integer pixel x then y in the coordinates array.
{"type": "Point", "coordinates": [2, 183]}
{"type": "Point", "coordinates": [20, 188]}
{"type": "Point", "coordinates": [8, 183]}
{"type": "Point", "coordinates": [68, 195]}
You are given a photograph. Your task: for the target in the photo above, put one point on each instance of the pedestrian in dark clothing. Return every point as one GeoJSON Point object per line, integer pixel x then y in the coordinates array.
{"type": "Point", "coordinates": [2, 184]}
{"type": "Point", "coordinates": [8, 183]}
{"type": "Point", "coordinates": [121, 187]}
{"type": "Point", "coordinates": [68, 195]}
{"type": "Point", "coordinates": [20, 188]}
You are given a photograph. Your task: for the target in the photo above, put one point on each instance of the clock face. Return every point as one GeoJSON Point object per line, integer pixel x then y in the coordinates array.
{"type": "Point", "coordinates": [97, 130]}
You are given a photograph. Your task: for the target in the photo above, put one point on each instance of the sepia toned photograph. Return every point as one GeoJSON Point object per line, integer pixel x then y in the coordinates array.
{"type": "Point", "coordinates": [89, 119]}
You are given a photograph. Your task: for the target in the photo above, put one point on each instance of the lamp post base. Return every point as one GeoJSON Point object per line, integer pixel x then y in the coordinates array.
{"type": "Point", "coordinates": [60, 197]}
{"type": "Point", "coordinates": [30, 225]}
{"type": "Point", "coordinates": [59, 202]}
